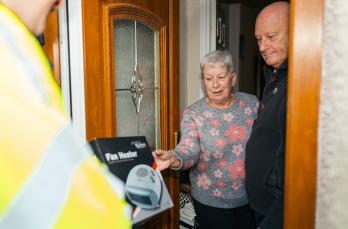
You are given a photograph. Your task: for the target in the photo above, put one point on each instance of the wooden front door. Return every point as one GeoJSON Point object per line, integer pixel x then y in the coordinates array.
{"type": "Point", "coordinates": [131, 76]}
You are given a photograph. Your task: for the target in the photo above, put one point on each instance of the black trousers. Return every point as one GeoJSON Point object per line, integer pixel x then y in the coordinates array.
{"type": "Point", "coordinates": [221, 218]}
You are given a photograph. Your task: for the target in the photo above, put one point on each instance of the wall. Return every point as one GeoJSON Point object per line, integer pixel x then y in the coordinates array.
{"type": "Point", "coordinates": [332, 200]}
{"type": "Point", "coordinates": [234, 31]}
{"type": "Point", "coordinates": [248, 52]}
{"type": "Point", "coordinates": [190, 83]}
{"type": "Point", "coordinates": [232, 14]}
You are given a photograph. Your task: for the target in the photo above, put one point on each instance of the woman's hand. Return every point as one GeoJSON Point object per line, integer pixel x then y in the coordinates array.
{"type": "Point", "coordinates": [165, 159]}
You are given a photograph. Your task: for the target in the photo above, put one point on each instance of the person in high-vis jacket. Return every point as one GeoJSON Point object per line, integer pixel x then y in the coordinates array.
{"type": "Point", "coordinates": [48, 177]}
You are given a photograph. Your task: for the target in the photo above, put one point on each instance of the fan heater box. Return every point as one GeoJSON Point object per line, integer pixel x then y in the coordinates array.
{"type": "Point", "coordinates": [131, 160]}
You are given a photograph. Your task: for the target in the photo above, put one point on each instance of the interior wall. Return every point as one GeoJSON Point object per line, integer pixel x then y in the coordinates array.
{"type": "Point", "coordinates": [234, 31]}
{"type": "Point", "coordinates": [248, 52]}
{"type": "Point", "coordinates": [232, 14]}
{"type": "Point", "coordinates": [332, 201]}
{"type": "Point", "coordinates": [190, 83]}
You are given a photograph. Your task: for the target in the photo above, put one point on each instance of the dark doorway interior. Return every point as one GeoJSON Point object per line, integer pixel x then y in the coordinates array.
{"type": "Point", "coordinates": [235, 32]}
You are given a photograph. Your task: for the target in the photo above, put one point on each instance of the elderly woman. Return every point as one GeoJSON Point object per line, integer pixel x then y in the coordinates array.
{"type": "Point", "coordinates": [214, 132]}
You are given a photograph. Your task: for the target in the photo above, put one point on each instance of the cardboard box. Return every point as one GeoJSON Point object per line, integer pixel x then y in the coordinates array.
{"type": "Point", "coordinates": [131, 160]}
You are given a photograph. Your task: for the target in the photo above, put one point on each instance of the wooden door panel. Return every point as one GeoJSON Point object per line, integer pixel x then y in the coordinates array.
{"type": "Point", "coordinates": [160, 8]}
{"type": "Point", "coordinates": [99, 101]}
{"type": "Point", "coordinates": [99, 62]}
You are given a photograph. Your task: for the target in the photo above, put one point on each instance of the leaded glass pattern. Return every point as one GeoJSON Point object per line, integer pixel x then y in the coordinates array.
{"type": "Point", "coordinates": [128, 122]}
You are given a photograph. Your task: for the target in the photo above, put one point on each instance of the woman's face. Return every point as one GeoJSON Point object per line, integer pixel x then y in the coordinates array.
{"type": "Point", "coordinates": [218, 83]}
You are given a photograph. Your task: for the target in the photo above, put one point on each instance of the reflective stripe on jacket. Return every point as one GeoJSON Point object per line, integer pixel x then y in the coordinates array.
{"type": "Point", "coordinates": [48, 176]}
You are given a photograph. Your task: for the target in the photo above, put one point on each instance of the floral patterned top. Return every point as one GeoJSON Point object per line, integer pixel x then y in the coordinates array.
{"type": "Point", "coordinates": [213, 145]}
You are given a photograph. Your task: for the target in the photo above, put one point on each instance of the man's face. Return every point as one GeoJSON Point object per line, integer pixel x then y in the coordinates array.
{"type": "Point", "coordinates": [271, 32]}
{"type": "Point", "coordinates": [41, 11]}
{"type": "Point", "coordinates": [51, 5]}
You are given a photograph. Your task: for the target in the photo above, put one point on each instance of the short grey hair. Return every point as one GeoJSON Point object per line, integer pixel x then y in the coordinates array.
{"type": "Point", "coordinates": [217, 56]}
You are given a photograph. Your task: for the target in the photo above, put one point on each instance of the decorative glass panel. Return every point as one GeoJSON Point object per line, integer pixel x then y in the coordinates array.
{"type": "Point", "coordinates": [136, 80]}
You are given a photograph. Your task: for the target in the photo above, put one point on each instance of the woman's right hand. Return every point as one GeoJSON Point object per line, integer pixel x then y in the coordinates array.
{"type": "Point", "coordinates": [165, 159]}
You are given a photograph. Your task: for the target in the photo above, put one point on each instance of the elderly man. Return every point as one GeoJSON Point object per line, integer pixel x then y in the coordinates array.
{"type": "Point", "coordinates": [266, 147]}
{"type": "Point", "coordinates": [48, 177]}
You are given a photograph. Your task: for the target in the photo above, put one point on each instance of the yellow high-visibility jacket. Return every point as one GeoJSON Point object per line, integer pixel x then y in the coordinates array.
{"type": "Point", "coordinates": [48, 177]}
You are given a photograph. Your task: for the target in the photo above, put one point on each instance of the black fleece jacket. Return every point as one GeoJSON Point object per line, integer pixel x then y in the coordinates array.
{"type": "Point", "coordinates": [265, 151]}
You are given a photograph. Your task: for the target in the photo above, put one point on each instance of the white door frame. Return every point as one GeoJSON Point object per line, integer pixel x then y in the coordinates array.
{"type": "Point", "coordinates": [72, 65]}
{"type": "Point", "coordinates": [207, 28]}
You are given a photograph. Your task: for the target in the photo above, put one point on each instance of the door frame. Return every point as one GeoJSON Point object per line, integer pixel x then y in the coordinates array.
{"type": "Point", "coordinates": [174, 106]}
{"type": "Point", "coordinates": [306, 33]}
{"type": "Point", "coordinates": [72, 64]}
{"type": "Point", "coordinates": [207, 29]}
